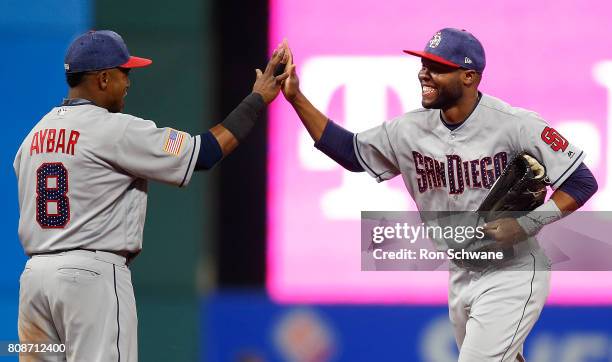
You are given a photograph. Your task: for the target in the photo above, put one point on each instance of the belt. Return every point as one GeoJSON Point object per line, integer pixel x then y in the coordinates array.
{"type": "Point", "coordinates": [128, 255]}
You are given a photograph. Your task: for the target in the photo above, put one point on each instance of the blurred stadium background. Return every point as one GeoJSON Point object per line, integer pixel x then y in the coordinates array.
{"type": "Point", "coordinates": [226, 273]}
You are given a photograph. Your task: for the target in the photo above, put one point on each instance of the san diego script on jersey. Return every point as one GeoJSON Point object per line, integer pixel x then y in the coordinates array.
{"type": "Point", "coordinates": [453, 170]}
{"type": "Point", "coordinates": [82, 176]}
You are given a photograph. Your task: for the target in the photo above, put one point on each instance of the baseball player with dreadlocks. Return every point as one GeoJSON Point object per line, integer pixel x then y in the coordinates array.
{"type": "Point", "coordinates": [449, 153]}
{"type": "Point", "coordinates": [82, 176]}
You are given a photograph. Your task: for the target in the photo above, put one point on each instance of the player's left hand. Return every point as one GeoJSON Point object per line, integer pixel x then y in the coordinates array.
{"type": "Point", "coordinates": [505, 231]}
{"type": "Point", "coordinates": [266, 84]}
{"type": "Point", "coordinates": [291, 86]}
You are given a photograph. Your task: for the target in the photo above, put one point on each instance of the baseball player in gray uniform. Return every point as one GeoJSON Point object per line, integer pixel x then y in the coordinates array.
{"type": "Point", "coordinates": [82, 176]}
{"type": "Point", "coordinates": [449, 154]}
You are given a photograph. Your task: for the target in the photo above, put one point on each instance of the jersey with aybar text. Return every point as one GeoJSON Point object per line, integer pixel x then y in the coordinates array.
{"type": "Point", "coordinates": [82, 176]}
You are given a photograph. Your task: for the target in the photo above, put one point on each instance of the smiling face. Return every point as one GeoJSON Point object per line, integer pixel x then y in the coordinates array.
{"type": "Point", "coordinates": [442, 85]}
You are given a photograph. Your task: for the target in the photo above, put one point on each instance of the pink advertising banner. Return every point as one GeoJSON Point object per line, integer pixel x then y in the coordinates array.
{"type": "Point", "coordinates": [553, 57]}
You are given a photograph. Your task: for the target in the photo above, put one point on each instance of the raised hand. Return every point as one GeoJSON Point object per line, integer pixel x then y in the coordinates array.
{"type": "Point", "coordinates": [291, 86]}
{"type": "Point", "coordinates": [266, 84]}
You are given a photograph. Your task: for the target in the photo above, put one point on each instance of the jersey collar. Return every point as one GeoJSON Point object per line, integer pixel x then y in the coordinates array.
{"type": "Point", "coordinates": [75, 102]}
{"type": "Point", "coordinates": [453, 127]}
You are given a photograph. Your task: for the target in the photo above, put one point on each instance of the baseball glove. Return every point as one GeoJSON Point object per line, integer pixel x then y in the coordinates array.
{"type": "Point", "coordinates": [520, 189]}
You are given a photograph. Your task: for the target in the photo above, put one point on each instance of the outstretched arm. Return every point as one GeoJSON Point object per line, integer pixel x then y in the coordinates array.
{"type": "Point", "coordinates": [311, 117]}
{"type": "Point", "coordinates": [314, 121]}
{"type": "Point", "coordinates": [330, 138]}
{"type": "Point", "coordinates": [223, 138]}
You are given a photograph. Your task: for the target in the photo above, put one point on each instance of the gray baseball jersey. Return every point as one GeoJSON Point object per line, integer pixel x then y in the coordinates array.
{"type": "Point", "coordinates": [451, 170]}
{"type": "Point", "coordinates": [82, 175]}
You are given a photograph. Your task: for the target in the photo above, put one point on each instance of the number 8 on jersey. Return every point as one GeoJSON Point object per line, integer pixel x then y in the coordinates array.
{"type": "Point", "coordinates": [52, 204]}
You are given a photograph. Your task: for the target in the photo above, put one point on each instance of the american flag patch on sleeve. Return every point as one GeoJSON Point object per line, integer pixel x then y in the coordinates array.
{"type": "Point", "coordinates": [174, 141]}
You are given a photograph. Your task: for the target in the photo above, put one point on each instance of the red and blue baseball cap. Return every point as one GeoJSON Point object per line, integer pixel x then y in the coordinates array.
{"type": "Point", "coordinates": [101, 49]}
{"type": "Point", "coordinates": [454, 47]}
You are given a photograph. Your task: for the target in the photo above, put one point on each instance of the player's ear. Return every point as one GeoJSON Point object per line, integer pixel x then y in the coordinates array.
{"type": "Point", "coordinates": [470, 78]}
{"type": "Point", "coordinates": [103, 79]}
